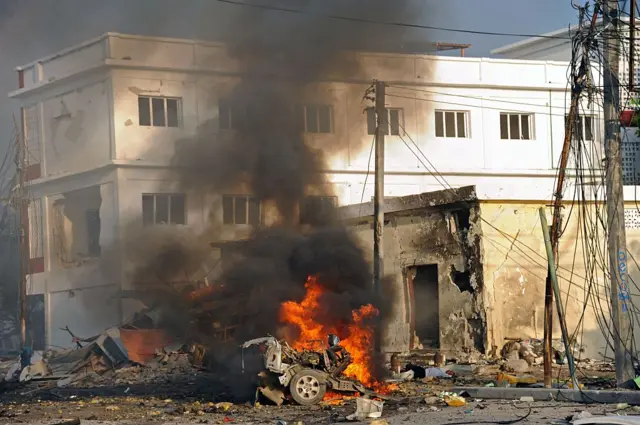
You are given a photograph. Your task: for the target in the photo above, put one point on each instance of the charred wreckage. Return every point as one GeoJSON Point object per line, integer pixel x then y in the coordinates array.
{"type": "Point", "coordinates": [305, 375]}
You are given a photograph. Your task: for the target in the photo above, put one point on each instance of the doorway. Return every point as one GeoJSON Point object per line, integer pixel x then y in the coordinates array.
{"type": "Point", "coordinates": [35, 322]}
{"type": "Point", "coordinates": [425, 305]}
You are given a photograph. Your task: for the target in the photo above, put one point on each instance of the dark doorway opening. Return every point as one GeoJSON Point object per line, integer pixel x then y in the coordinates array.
{"type": "Point", "coordinates": [425, 305]}
{"type": "Point", "coordinates": [35, 322]}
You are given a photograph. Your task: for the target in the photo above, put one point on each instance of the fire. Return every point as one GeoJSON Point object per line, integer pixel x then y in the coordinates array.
{"type": "Point", "coordinates": [356, 336]}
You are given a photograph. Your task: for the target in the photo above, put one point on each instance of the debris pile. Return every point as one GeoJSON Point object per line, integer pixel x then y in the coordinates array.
{"type": "Point", "coordinates": [118, 356]}
{"type": "Point", "coordinates": [531, 350]}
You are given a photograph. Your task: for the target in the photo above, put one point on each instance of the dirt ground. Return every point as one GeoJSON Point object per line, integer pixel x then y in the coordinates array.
{"type": "Point", "coordinates": [196, 401]}
{"type": "Point", "coordinates": [132, 410]}
{"type": "Point", "coordinates": [184, 405]}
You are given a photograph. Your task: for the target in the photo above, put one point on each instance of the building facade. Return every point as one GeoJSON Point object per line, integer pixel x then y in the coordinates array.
{"type": "Point", "coordinates": [102, 122]}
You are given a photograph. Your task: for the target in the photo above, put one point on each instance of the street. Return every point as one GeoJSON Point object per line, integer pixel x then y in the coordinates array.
{"type": "Point", "coordinates": [133, 410]}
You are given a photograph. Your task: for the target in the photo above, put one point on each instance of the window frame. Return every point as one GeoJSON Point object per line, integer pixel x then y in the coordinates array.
{"type": "Point", "coordinates": [319, 197]}
{"type": "Point", "coordinates": [169, 196]}
{"type": "Point", "coordinates": [530, 123]}
{"type": "Point", "coordinates": [582, 118]}
{"type": "Point", "coordinates": [303, 114]}
{"type": "Point", "coordinates": [401, 123]}
{"type": "Point", "coordinates": [237, 115]}
{"type": "Point", "coordinates": [165, 100]}
{"type": "Point", "coordinates": [248, 199]}
{"type": "Point", "coordinates": [455, 113]}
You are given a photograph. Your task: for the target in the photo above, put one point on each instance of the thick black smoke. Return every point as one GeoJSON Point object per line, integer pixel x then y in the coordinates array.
{"type": "Point", "coordinates": [275, 263]}
{"type": "Point", "coordinates": [280, 58]}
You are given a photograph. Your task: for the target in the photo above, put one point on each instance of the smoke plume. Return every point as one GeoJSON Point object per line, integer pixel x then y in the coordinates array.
{"type": "Point", "coordinates": [280, 58]}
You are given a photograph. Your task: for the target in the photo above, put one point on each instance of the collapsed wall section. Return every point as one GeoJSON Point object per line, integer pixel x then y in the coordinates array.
{"type": "Point", "coordinates": [433, 266]}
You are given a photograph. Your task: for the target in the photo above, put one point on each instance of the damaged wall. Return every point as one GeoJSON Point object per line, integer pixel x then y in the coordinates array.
{"type": "Point", "coordinates": [447, 236]}
{"type": "Point", "coordinates": [77, 127]}
{"type": "Point", "coordinates": [515, 271]}
{"type": "Point", "coordinates": [80, 292]}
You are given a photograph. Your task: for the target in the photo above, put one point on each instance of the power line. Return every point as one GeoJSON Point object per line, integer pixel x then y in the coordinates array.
{"type": "Point", "coordinates": [483, 106]}
{"type": "Point", "coordinates": [396, 24]}
{"type": "Point", "coordinates": [466, 96]}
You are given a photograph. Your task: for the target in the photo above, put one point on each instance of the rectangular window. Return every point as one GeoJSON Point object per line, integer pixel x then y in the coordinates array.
{"type": "Point", "coordinates": [452, 124]}
{"type": "Point", "coordinates": [241, 209]}
{"type": "Point", "coordinates": [393, 125]}
{"type": "Point", "coordinates": [163, 208]}
{"type": "Point", "coordinates": [315, 118]}
{"type": "Point", "coordinates": [158, 111]}
{"type": "Point", "coordinates": [314, 209]}
{"type": "Point", "coordinates": [516, 126]}
{"type": "Point", "coordinates": [583, 127]}
{"type": "Point", "coordinates": [231, 116]}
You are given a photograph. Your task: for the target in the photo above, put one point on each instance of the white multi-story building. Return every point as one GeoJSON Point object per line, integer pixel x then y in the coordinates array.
{"type": "Point", "coordinates": [557, 45]}
{"type": "Point", "coordinates": [103, 119]}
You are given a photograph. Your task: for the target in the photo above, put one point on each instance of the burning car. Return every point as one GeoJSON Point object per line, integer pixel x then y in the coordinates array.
{"type": "Point", "coordinates": [306, 375]}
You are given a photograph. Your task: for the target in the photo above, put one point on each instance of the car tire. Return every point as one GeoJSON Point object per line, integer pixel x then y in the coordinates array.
{"type": "Point", "coordinates": [308, 387]}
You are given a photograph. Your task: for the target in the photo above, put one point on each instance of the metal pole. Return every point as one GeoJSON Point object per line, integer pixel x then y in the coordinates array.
{"type": "Point", "coordinates": [378, 201]}
{"type": "Point", "coordinates": [617, 243]}
{"type": "Point", "coordinates": [554, 279]}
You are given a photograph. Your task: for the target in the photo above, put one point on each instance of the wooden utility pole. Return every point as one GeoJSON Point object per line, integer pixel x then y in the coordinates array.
{"type": "Point", "coordinates": [555, 235]}
{"type": "Point", "coordinates": [617, 243]}
{"type": "Point", "coordinates": [20, 203]}
{"type": "Point", "coordinates": [632, 44]}
{"type": "Point", "coordinates": [579, 80]}
{"type": "Point", "coordinates": [556, 290]}
{"type": "Point", "coordinates": [378, 200]}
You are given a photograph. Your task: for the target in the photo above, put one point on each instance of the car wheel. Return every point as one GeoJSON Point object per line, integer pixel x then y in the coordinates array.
{"type": "Point", "coordinates": [308, 387]}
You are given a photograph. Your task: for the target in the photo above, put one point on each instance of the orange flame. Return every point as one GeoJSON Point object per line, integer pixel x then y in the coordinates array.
{"type": "Point", "coordinates": [356, 336]}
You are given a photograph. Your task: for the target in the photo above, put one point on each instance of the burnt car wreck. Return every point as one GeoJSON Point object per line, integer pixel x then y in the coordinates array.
{"type": "Point", "coordinates": [305, 375]}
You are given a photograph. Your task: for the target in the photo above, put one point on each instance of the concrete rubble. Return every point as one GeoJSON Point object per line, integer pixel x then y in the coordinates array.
{"type": "Point", "coordinates": [440, 385]}
{"type": "Point", "coordinates": [104, 360]}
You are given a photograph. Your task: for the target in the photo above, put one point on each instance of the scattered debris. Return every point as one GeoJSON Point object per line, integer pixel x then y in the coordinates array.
{"type": "Point", "coordinates": [75, 421]}
{"type": "Point", "coordinates": [32, 371]}
{"type": "Point", "coordinates": [432, 400]}
{"type": "Point", "coordinates": [453, 400]}
{"type": "Point", "coordinates": [118, 356]}
{"type": "Point", "coordinates": [505, 380]}
{"type": "Point", "coordinates": [366, 408]}
{"type": "Point", "coordinates": [609, 420]}
{"type": "Point", "coordinates": [223, 406]}
{"type": "Point", "coordinates": [582, 415]}
{"type": "Point", "coordinates": [517, 365]}
{"type": "Point", "coordinates": [427, 409]}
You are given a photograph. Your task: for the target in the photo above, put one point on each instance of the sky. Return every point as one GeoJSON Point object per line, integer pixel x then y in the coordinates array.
{"type": "Point", "coordinates": [30, 29]}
